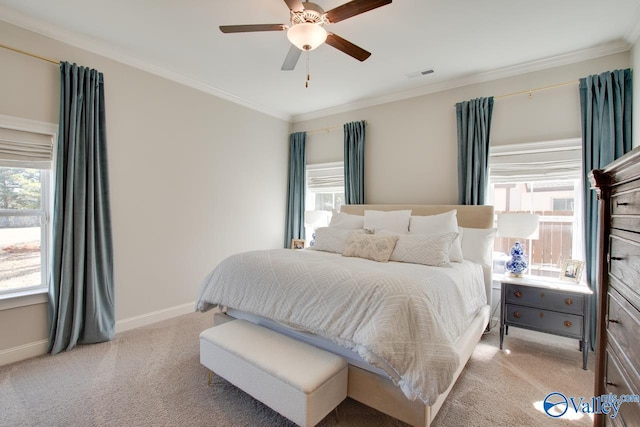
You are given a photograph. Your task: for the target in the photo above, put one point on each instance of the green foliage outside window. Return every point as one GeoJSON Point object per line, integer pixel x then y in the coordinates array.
{"type": "Point", "coordinates": [20, 189]}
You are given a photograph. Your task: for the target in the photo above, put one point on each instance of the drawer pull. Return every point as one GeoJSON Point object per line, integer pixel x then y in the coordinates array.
{"type": "Point", "coordinates": [518, 294]}
{"type": "Point", "coordinates": [567, 323]}
{"type": "Point", "coordinates": [609, 383]}
{"type": "Point", "coordinates": [613, 321]}
{"type": "Point", "coordinates": [516, 314]}
{"type": "Point", "coordinates": [621, 203]}
{"type": "Point", "coordinates": [568, 301]}
{"type": "Point", "coordinates": [616, 258]}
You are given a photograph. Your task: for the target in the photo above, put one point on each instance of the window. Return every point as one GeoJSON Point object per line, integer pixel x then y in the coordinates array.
{"type": "Point", "coordinates": [324, 194]}
{"type": "Point", "coordinates": [26, 156]}
{"type": "Point", "coordinates": [542, 178]}
{"type": "Point", "coordinates": [563, 204]}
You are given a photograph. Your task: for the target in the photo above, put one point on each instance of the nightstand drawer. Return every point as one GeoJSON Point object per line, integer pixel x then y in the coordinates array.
{"type": "Point", "coordinates": [545, 299]}
{"type": "Point", "coordinates": [629, 414]}
{"type": "Point", "coordinates": [568, 325]}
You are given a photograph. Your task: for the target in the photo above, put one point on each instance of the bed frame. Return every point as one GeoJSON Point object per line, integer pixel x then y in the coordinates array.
{"type": "Point", "coordinates": [379, 392]}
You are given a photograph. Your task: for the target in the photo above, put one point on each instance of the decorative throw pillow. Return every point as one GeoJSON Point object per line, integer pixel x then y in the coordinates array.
{"type": "Point", "coordinates": [439, 224]}
{"type": "Point", "coordinates": [331, 239]}
{"type": "Point", "coordinates": [370, 246]}
{"type": "Point", "coordinates": [424, 249]}
{"type": "Point", "coordinates": [395, 221]}
{"type": "Point", "coordinates": [347, 221]}
{"type": "Point", "coordinates": [477, 245]}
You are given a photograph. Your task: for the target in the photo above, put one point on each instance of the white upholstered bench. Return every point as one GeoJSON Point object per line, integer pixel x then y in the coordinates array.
{"type": "Point", "coordinates": [297, 380]}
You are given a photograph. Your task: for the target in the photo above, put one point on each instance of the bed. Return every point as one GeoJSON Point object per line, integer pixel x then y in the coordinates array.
{"type": "Point", "coordinates": [391, 381]}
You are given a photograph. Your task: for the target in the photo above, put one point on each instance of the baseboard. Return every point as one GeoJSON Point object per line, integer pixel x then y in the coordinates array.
{"type": "Point", "coordinates": [153, 317]}
{"type": "Point", "coordinates": [22, 352]}
{"type": "Point", "coordinates": [38, 348]}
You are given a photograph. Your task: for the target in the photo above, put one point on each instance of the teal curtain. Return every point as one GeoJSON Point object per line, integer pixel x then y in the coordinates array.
{"type": "Point", "coordinates": [354, 162]}
{"type": "Point", "coordinates": [474, 128]}
{"type": "Point", "coordinates": [294, 228]}
{"type": "Point", "coordinates": [605, 104]}
{"type": "Point", "coordinates": [81, 289]}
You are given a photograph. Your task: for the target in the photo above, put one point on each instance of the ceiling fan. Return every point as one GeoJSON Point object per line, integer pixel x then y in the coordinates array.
{"type": "Point", "coordinates": [307, 32]}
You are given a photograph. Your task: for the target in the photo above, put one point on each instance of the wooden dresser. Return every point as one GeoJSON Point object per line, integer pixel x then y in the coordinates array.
{"type": "Point", "coordinates": [618, 336]}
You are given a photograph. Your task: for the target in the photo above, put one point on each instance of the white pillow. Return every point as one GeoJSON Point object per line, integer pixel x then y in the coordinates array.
{"type": "Point", "coordinates": [370, 246]}
{"type": "Point", "coordinates": [424, 249]}
{"type": "Point", "coordinates": [346, 221]}
{"type": "Point", "coordinates": [438, 224]}
{"type": "Point", "coordinates": [477, 244]}
{"type": "Point", "coordinates": [395, 221]}
{"type": "Point", "coordinates": [331, 239]}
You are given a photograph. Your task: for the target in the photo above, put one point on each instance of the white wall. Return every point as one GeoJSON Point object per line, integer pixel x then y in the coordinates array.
{"type": "Point", "coordinates": [411, 148]}
{"type": "Point", "coordinates": [194, 178]}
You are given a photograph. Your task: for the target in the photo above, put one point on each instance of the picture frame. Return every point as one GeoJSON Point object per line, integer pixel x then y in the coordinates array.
{"type": "Point", "coordinates": [297, 244]}
{"type": "Point", "coordinates": [572, 270]}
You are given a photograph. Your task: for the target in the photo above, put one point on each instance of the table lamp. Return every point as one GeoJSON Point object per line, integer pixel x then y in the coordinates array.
{"type": "Point", "coordinates": [519, 226]}
{"type": "Point", "coordinates": [315, 219]}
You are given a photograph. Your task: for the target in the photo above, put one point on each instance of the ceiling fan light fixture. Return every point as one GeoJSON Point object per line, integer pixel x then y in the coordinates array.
{"type": "Point", "coordinates": [307, 36]}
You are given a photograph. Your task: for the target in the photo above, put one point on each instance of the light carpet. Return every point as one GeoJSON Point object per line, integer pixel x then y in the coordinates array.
{"type": "Point", "coordinates": [151, 376]}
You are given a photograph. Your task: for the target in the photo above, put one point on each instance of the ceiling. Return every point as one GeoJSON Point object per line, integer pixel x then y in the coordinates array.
{"type": "Point", "coordinates": [463, 41]}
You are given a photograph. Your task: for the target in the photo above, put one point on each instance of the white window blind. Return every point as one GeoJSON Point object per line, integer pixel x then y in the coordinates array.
{"type": "Point", "coordinates": [23, 149]}
{"type": "Point", "coordinates": [538, 161]}
{"type": "Point", "coordinates": [325, 177]}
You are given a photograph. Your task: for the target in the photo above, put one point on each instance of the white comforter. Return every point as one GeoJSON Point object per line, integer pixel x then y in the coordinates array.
{"type": "Point", "coordinates": [402, 318]}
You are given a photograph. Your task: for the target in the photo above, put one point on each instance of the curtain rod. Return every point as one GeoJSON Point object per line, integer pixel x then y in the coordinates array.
{"type": "Point", "coordinates": [327, 129]}
{"type": "Point", "coordinates": [539, 89]}
{"type": "Point", "coordinates": [33, 55]}
{"type": "Point", "coordinates": [530, 91]}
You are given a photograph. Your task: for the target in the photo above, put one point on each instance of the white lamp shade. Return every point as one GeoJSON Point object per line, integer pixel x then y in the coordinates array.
{"type": "Point", "coordinates": [316, 218]}
{"type": "Point", "coordinates": [307, 36]}
{"type": "Point", "coordinates": [518, 225]}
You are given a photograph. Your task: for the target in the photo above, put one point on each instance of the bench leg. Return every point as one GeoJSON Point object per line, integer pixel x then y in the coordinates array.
{"type": "Point", "coordinates": [210, 381]}
{"type": "Point", "coordinates": [337, 418]}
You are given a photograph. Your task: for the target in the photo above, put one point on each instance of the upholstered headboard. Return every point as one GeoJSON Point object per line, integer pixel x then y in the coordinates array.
{"type": "Point", "coordinates": [469, 216]}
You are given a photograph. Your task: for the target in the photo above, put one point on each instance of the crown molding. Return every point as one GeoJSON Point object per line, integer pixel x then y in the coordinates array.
{"type": "Point", "coordinates": [499, 73]}
{"type": "Point", "coordinates": [101, 48]}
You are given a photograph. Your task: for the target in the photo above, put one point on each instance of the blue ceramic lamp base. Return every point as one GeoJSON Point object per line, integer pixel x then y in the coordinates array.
{"type": "Point", "coordinates": [517, 265]}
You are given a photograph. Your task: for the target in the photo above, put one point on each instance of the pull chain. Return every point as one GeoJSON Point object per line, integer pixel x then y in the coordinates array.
{"type": "Point", "coordinates": [306, 84]}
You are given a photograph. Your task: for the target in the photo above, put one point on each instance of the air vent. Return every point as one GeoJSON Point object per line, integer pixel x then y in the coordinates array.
{"type": "Point", "coordinates": [420, 73]}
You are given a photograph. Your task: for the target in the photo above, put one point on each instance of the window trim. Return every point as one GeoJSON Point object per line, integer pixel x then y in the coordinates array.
{"type": "Point", "coordinates": [35, 294]}
{"type": "Point", "coordinates": [23, 298]}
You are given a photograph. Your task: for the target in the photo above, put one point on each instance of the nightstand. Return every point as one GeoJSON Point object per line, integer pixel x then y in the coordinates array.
{"type": "Point", "coordinates": [546, 305]}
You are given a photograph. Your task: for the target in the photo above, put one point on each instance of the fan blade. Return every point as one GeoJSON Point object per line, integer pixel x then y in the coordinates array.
{"type": "Point", "coordinates": [294, 5]}
{"type": "Point", "coordinates": [353, 8]}
{"type": "Point", "coordinates": [347, 47]}
{"type": "Point", "coordinates": [292, 58]}
{"type": "Point", "coordinates": [251, 28]}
